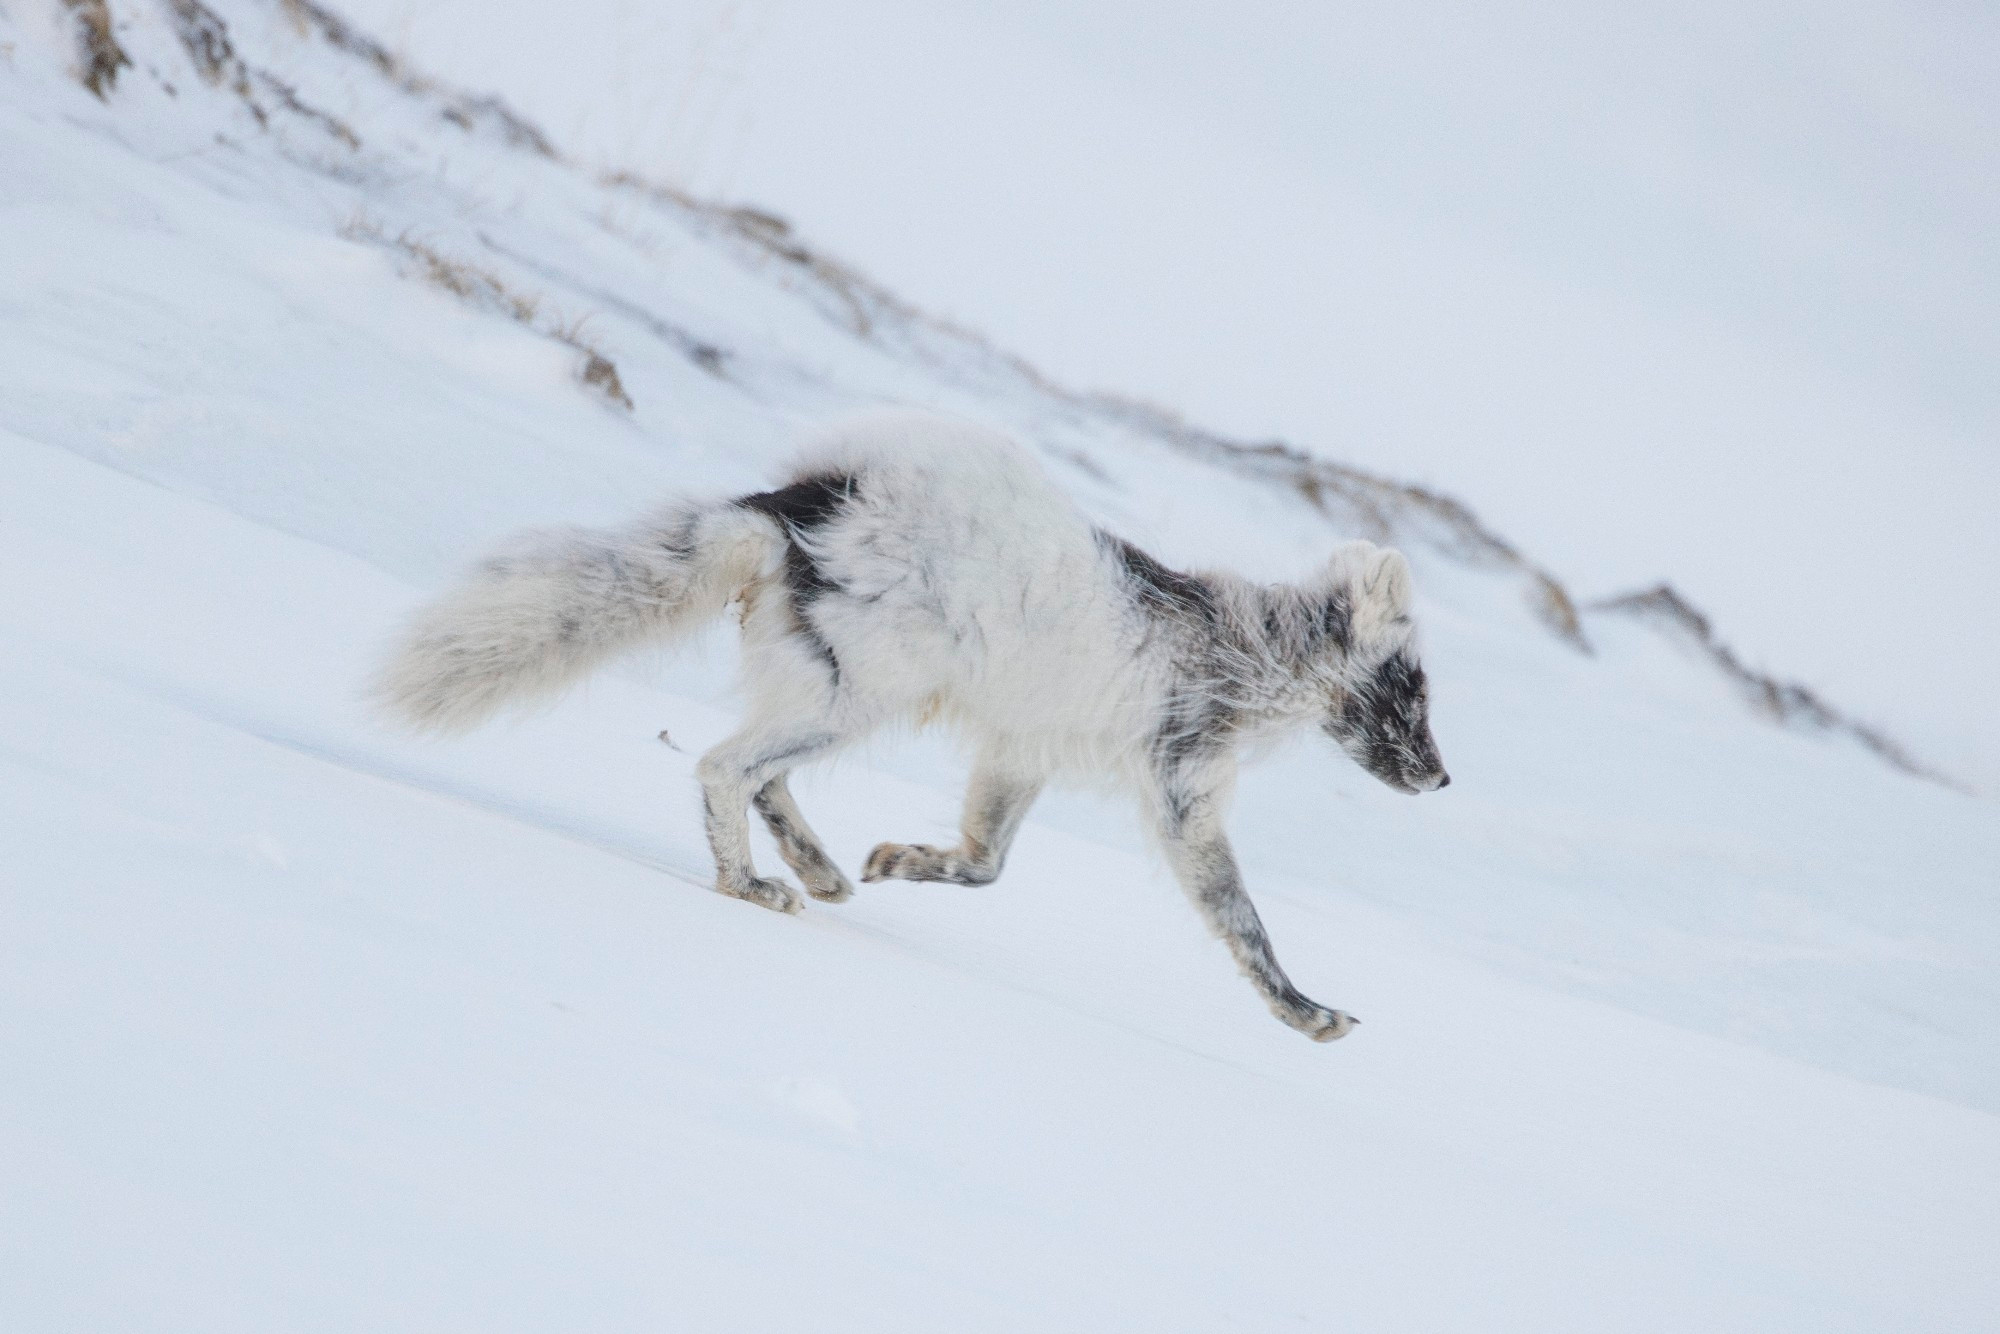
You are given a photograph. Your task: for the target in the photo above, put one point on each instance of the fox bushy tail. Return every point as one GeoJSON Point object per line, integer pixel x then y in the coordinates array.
{"type": "Point", "coordinates": [555, 604]}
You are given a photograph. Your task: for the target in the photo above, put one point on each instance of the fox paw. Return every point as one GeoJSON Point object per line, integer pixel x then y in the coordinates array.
{"type": "Point", "coordinates": [907, 861]}
{"type": "Point", "coordinates": [1321, 1024]}
{"type": "Point", "coordinates": [899, 861]}
{"type": "Point", "coordinates": [828, 886]}
{"type": "Point", "coordinates": [773, 894]}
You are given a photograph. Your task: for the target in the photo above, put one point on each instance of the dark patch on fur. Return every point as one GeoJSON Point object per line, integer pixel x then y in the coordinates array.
{"type": "Point", "coordinates": [1298, 628]}
{"type": "Point", "coordinates": [1335, 623]}
{"type": "Point", "coordinates": [1386, 720]}
{"type": "Point", "coordinates": [709, 823]}
{"type": "Point", "coordinates": [1158, 587]}
{"type": "Point", "coordinates": [807, 504]}
{"type": "Point", "coordinates": [1398, 687]}
{"type": "Point", "coordinates": [781, 828]}
{"type": "Point", "coordinates": [1198, 725]}
{"type": "Point", "coordinates": [986, 837]}
{"type": "Point", "coordinates": [805, 577]}
{"type": "Point", "coordinates": [795, 841]}
{"type": "Point", "coordinates": [791, 752]}
{"type": "Point", "coordinates": [679, 542]}
{"type": "Point", "coordinates": [936, 866]}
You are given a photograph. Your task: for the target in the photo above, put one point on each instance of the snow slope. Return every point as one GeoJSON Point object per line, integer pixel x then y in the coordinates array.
{"type": "Point", "coordinates": [1673, 1018]}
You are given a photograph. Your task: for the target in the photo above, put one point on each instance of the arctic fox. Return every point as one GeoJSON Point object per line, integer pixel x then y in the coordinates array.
{"type": "Point", "coordinates": [914, 567]}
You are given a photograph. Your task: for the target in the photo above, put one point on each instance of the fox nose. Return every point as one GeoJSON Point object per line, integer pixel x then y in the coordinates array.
{"type": "Point", "coordinates": [1444, 781]}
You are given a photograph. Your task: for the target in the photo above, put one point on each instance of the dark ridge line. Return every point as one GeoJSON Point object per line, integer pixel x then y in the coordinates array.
{"type": "Point", "coordinates": [1785, 702]}
{"type": "Point", "coordinates": [464, 109]}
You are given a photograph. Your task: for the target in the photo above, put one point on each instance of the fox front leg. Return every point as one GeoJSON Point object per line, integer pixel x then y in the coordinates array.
{"type": "Point", "coordinates": [995, 805]}
{"type": "Point", "coordinates": [1202, 860]}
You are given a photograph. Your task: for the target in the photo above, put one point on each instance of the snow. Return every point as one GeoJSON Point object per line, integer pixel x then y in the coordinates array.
{"type": "Point", "coordinates": [1672, 1018]}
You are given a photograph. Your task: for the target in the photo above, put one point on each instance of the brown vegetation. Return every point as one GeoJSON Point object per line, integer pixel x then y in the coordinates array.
{"type": "Point", "coordinates": [99, 57]}
{"type": "Point", "coordinates": [706, 355]}
{"type": "Point", "coordinates": [482, 287]}
{"type": "Point", "coordinates": [205, 37]}
{"type": "Point", "coordinates": [468, 111]}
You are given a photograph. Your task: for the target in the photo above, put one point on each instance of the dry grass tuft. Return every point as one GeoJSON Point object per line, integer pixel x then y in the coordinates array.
{"type": "Point", "coordinates": [602, 375]}
{"type": "Point", "coordinates": [861, 305]}
{"type": "Point", "coordinates": [205, 37]}
{"type": "Point", "coordinates": [99, 57]}
{"type": "Point", "coordinates": [482, 287]}
{"type": "Point", "coordinates": [288, 98]}
{"type": "Point", "coordinates": [468, 111]}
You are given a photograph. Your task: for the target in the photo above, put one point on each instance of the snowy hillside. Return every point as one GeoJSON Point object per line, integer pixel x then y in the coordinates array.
{"type": "Point", "coordinates": [1667, 288]}
{"type": "Point", "coordinates": [1675, 1017]}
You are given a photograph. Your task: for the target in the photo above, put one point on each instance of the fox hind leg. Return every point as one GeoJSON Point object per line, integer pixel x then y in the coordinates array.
{"type": "Point", "coordinates": [740, 768]}
{"type": "Point", "coordinates": [798, 845]}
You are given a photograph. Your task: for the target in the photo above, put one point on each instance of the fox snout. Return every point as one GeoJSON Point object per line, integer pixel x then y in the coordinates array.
{"type": "Point", "coordinates": [1414, 785]}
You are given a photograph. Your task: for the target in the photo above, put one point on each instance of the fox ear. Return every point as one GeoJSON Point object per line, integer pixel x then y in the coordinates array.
{"type": "Point", "coordinates": [1379, 583]}
{"type": "Point", "coordinates": [1349, 564]}
{"type": "Point", "coordinates": [1388, 582]}
{"type": "Point", "coordinates": [1373, 581]}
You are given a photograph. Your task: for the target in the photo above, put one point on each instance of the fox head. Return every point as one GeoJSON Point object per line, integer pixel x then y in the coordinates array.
{"type": "Point", "coordinates": [1378, 705]}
